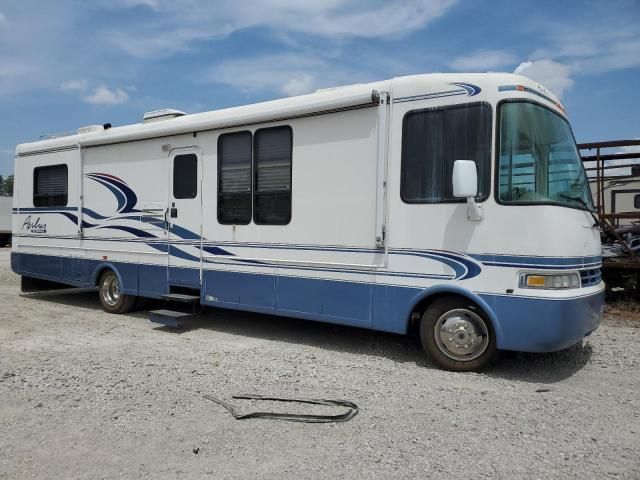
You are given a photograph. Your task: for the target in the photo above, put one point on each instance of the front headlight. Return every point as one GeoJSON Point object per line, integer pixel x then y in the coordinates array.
{"type": "Point", "coordinates": [554, 281]}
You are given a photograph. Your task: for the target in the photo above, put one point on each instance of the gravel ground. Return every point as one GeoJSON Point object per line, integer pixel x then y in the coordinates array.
{"type": "Point", "coordinates": [85, 394]}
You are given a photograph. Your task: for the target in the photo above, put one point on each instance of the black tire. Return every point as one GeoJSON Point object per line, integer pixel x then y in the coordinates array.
{"type": "Point", "coordinates": [111, 298]}
{"type": "Point", "coordinates": [457, 335]}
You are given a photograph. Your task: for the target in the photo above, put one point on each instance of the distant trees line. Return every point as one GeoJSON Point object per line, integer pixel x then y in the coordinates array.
{"type": "Point", "coordinates": [6, 185]}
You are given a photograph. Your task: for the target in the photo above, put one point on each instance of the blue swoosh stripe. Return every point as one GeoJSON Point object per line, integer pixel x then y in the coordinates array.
{"type": "Point", "coordinates": [184, 233]}
{"type": "Point", "coordinates": [176, 252]}
{"type": "Point", "coordinates": [120, 197]}
{"type": "Point", "coordinates": [74, 219]}
{"type": "Point", "coordinates": [539, 262]}
{"type": "Point", "coordinates": [127, 199]}
{"type": "Point", "coordinates": [135, 231]}
{"type": "Point", "coordinates": [93, 214]}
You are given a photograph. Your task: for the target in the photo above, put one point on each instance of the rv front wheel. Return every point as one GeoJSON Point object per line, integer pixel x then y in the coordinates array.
{"type": "Point", "coordinates": [457, 335]}
{"type": "Point", "coordinates": [111, 296]}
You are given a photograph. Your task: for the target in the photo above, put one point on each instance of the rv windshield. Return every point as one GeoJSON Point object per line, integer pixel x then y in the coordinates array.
{"type": "Point", "coordinates": [539, 162]}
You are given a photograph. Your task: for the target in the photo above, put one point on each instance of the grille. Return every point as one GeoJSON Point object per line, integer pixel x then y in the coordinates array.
{"type": "Point", "coordinates": [590, 277]}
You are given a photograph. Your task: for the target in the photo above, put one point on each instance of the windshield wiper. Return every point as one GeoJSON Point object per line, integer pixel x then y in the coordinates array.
{"type": "Point", "coordinates": [581, 201]}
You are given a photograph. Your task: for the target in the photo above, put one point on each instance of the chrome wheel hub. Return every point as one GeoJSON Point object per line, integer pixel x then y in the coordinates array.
{"type": "Point", "coordinates": [461, 335]}
{"type": "Point", "coordinates": [111, 290]}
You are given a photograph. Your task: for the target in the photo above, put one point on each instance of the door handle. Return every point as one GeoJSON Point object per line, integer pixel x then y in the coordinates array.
{"type": "Point", "coordinates": [174, 212]}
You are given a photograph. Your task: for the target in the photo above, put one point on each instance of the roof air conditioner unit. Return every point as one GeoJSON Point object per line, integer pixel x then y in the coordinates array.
{"type": "Point", "coordinates": [162, 114]}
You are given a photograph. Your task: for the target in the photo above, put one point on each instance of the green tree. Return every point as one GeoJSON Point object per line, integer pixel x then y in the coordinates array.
{"type": "Point", "coordinates": [8, 185]}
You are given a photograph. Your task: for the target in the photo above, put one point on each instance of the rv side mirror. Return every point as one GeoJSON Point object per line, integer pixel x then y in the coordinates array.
{"type": "Point", "coordinates": [465, 185]}
{"type": "Point", "coordinates": [465, 179]}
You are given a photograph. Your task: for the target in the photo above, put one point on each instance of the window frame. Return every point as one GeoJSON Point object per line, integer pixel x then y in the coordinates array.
{"type": "Point", "coordinates": [496, 156]}
{"type": "Point", "coordinates": [488, 177]}
{"type": "Point", "coordinates": [219, 179]}
{"type": "Point", "coordinates": [33, 193]}
{"type": "Point", "coordinates": [174, 176]}
{"type": "Point", "coordinates": [254, 164]}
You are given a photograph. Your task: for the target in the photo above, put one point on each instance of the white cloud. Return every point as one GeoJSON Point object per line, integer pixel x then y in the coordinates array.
{"type": "Point", "coordinates": [630, 148]}
{"type": "Point", "coordinates": [625, 165]}
{"type": "Point", "coordinates": [14, 69]}
{"type": "Point", "coordinates": [617, 56]}
{"type": "Point", "coordinates": [626, 170]}
{"type": "Point", "coordinates": [153, 4]}
{"type": "Point", "coordinates": [483, 60]}
{"type": "Point", "coordinates": [179, 26]}
{"type": "Point", "coordinates": [289, 74]}
{"type": "Point", "coordinates": [104, 96]}
{"type": "Point", "coordinates": [553, 75]}
{"type": "Point", "coordinates": [590, 48]}
{"type": "Point", "coordinates": [74, 86]}
{"type": "Point", "coordinates": [156, 44]}
{"type": "Point", "coordinates": [299, 85]}
{"type": "Point", "coordinates": [32, 56]}
{"type": "Point", "coordinates": [603, 41]}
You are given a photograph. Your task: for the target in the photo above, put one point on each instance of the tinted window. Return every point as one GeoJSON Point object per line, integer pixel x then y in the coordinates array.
{"type": "Point", "coordinates": [234, 178]}
{"type": "Point", "coordinates": [636, 201]}
{"type": "Point", "coordinates": [50, 186]}
{"type": "Point", "coordinates": [433, 140]}
{"type": "Point", "coordinates": [272, 191]}
{"type": "Point", "coordinates": [185, 176]}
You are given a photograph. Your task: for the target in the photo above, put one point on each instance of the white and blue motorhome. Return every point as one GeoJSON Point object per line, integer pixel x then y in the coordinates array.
{"type": "Point", "coordinates": [455, 200]}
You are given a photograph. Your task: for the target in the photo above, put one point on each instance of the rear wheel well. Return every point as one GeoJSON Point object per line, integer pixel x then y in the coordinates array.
{"type": "Point", "coordinates": [110, 292]}
{"type": "Point", "coordinates": [100, 273]}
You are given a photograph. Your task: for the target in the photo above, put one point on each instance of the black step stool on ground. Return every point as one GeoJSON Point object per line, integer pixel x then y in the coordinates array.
{"type": "Point", "coordinates": [173, 318]}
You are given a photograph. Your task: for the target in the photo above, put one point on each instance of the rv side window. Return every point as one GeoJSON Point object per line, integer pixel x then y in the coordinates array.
{"type": "Point", "coordinates": [234, 178]}
{"type": "Point", "coordinates": [185, 176]}
{"type": "Point", "coordinates": [433, 140]}
{"type": "Point", "coordinates": [272, 191]}
{"type": "Point", "coordinates": [50, 186]}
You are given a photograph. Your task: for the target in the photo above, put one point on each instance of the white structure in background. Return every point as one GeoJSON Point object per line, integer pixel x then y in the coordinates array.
{"type": "Point", "coordinates": [5, 220]}
{"type": "Point", "coordinates": [458, 201]}
{"type": "Point", "coordinates": [620, 196]}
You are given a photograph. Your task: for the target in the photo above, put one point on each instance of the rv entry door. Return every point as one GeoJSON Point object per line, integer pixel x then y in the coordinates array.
{"type": "Point", "coordinates": [184, 217]}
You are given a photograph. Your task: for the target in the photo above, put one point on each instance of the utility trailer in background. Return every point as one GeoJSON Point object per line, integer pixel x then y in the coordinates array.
{"type": "Point", "coordinates": [5, 220]}
{"type": "Point", "coordinates": [614, 171]}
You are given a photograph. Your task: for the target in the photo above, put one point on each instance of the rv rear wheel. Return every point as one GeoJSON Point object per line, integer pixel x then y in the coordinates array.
{"type": "Point", "coordinates": [457, 335]}
{"type": "Point", "coordinates": [111, 296]}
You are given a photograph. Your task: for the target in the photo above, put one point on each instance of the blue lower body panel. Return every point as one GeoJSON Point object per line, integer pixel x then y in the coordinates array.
{"type": "Point", "coordinates": [520, 323]}
{"type": "Point", "coordinates": [236, 289]}
{"type": "Point", "coordinates": [186, 277]}
{"type": "Point", "coordinates": [143, 280]}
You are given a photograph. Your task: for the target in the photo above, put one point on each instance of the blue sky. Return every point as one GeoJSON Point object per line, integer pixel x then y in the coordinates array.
{"type": "Point", "coordinates": [68, 63]}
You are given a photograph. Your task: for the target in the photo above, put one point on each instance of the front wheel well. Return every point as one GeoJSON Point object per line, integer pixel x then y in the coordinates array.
{"type": "Point", "coordinates": [424, 303]}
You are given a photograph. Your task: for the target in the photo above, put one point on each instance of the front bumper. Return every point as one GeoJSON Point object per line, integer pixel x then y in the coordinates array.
{"type": "Point", "coordinates": [544, 324]}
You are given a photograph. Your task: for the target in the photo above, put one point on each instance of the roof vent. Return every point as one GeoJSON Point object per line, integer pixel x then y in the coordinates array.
{"type": "Point", "coordinates": [90, 128]}
{"type": "Point", "coordinates": [162, 114]}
